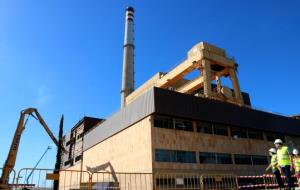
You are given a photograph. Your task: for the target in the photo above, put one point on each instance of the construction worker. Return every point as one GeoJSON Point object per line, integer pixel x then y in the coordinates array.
{"type": "Point", "coordinates": [275, 167]}
{"type": "Point", "coordinates": [284, 161]}
{"type": "Point", "coordinates": [296, 164]}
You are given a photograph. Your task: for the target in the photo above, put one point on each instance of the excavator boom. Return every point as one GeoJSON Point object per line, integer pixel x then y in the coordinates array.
{"type": "Point", "coordinates": [12, 155]}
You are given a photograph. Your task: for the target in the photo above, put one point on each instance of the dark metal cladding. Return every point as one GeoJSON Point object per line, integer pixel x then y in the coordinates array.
{"type": "Point", "coordinates": [175, 104]}
{"type": "Point", "coordinates": [187, 106]}
{"type": "Point", "coordinates": [130, 9]}
{"type": "Point", "coordinates": [130, 14]}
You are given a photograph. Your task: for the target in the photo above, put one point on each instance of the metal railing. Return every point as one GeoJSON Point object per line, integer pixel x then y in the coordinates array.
{"type": "Point", "coordinates": [35, 178]}
{"type": "Point", "coordinates": [253, 182]}
{"type": "Point", "coordinates": [44, 179]}
{"type": "Point", "coordinates": [171, 181]}
{"type": "Point", "coordinates": [75, 179]}
{"type": "Point", "coordinates": [12, 176]}
{"type": "Point", "coordinates": [176, 181]}
{"type": "Point", "coordinates": [122, 181]}
{"type": "Point", "coordinates": [266, 181]}
{"type": "Point", "coordinates": [270, 181]}
{"type": "Point", "coordinates": [219, 181]}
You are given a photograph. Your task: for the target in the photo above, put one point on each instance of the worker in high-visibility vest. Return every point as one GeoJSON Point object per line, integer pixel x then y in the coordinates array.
{"type": "Point", "coordinates": [275, 167]}
{"type": "Point", "coordinates": [296, 165]}
{"type": "Point", "coordinates": [284, 161]}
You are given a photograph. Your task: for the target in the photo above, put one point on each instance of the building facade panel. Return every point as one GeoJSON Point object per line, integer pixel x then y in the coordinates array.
{"type": "Point", "coordinates": [126, 151]}
{"type": "Point", "coordinates": [214, 150]}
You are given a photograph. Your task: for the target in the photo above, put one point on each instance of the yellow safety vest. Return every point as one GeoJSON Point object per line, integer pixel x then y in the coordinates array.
{"type": "Point", "coordinates": [283, 156]}
{"type": "Point", "coordinates": [274, 162]}
{"type": "Point", "coordinates": [296, 162]}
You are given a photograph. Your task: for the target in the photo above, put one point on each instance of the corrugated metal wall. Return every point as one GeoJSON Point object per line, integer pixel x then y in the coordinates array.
{"type": "Point", "coordinates": [135, 111]}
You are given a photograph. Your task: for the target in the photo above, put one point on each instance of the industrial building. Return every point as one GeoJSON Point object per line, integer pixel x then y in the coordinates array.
{"type": "Point", "coordinates": [75, 143]}
{"type": "Point", "coordinates": [171, 124]}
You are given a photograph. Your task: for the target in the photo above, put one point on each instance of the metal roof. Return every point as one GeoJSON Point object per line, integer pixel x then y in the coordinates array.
{"type": "Point", "coordinates": [167, 102]}
{"type": "Point", "coordinates": [132, 113]}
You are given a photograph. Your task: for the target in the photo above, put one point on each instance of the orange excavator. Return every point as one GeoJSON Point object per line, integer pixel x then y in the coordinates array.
{"type": "Point", "coordinates": [12, 154]}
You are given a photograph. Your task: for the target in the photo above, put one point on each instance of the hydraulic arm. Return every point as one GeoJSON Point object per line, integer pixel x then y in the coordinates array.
{"type": "Point", "coordinates": [13, 151]}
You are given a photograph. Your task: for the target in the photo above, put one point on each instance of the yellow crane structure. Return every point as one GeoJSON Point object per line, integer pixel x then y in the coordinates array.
{"type": "Point", "coordinates": [212, 63]}
{"type": "Point", "coordinates": [13, 151]}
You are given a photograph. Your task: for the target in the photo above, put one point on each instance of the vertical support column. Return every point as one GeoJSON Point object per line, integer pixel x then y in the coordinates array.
{"type": "Point", "coordinates": [194, 126]}
{"type": "Point", "coordinates": [206, 72]}
{"type": "Point", "coordinates": [219, 84]}
{"type": "Point", "coordinates": [236, 86]}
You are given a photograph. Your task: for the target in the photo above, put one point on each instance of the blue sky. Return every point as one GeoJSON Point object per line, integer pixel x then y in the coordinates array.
{"type": "Point", "coordinates": [65, 56]}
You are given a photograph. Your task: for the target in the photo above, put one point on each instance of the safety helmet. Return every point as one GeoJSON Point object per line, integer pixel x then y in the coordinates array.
{"type": "Point", "coordinates": [272, 150]}
{"type": "Point", "coordinates": [295, 152]}
{"type": "Point", "coordinates": [278, 141]}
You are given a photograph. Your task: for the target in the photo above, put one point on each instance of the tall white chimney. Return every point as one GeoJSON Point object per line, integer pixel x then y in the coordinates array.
{"type": "Point", "coordinates": [128, 57]}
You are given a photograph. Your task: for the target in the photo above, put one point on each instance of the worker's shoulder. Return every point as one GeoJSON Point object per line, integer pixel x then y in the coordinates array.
{"type": "Point", "coordinates": [285, 148]}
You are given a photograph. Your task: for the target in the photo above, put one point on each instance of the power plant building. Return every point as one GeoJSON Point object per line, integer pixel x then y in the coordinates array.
{"type": "Point", "coordinates": [172, 124]}
{"type": "Point", "coordinates": [199, 130]}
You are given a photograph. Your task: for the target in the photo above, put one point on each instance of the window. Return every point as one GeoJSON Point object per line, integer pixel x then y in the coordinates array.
{"type": "Point", "coordinates": [254, 134]}
{"type": "Point", "coordinates": [220, 130]}
{"type": "Point", "coordinates": [184, 125]}
{"type": "Point", "coordinates": [215, 158]}
{"type": "Point", "coordinates": [80, 136]}
{"type": "Point", "coordinates": [67, 163]}
{"type": "Point", "coordinates": [242, 159]}
{"type": "Point", "coordinates": [186, 156]}
{"type": "Point", "coordinates": [175, 156]}
{"type": "Point", "coordinates": [239, 132]}
{"type": "Point", "coordinates": [246, 133]}
{"type": "Point", "coordinates": [259, 160]}
{"type": "Point", "coordinates": [163, 122]}
{"type": "Point", "coordinates": [162, 156]}
{"type": "Point", "coordinates": [169, 123]}
{"type": "Point", "coordinates": [223, 158]}
{"type": "Point", "coordinates": [68, 143]}
{"type": "Point", "coordinates": [273, 136]}
{"type": "Point", "coordinates": [204, 127]}
{"type": "Point", "coordinates": [78, 158]}
{"type": "Point", "coordinates": [207, 157]}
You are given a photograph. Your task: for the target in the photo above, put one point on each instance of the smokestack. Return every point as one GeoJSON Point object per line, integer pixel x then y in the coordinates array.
{"type": "Point", "coordinates": [128, 57]}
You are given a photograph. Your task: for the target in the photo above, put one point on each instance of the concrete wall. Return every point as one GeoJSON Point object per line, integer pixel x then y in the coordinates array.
{"type": "Point", "coordinates": [127, 151]}
{"type": "Point", "coordinates": [199, 142]}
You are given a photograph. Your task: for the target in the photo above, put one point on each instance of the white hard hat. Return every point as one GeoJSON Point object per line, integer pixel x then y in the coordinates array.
{"type": "Point", "coordinates": [295, 152]}
{"type": "Point", "coordinates": [273, 150]}
{"type": "Point", "coordinates": [278, 141]}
